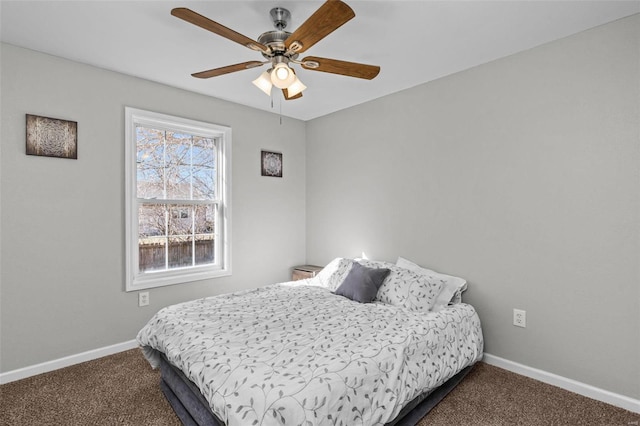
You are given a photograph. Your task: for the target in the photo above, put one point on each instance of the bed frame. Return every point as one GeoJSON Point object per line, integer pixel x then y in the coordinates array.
{"type": "Point", "coordinates": [193, 410]}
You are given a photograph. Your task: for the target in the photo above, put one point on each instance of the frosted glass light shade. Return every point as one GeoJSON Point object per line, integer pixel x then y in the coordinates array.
{"type": "Point", "coordinates": [264, 83]}
{"type": "Point", "coordinates": [282, 76]}
{"type": "Point", "coordinates": [295, 87]}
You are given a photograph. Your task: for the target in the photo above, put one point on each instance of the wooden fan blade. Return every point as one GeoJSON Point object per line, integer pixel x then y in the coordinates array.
{"type": "Point", "coordinates": [216, 28]}
{"type": "Point", "coordinates": [328, 18]}
{"type": "Point", "coordinates": [285, 92]}
{"type": "Point", "coordinates": [334, 66]}
{"type": "Point", "coordinates": [226, 70]}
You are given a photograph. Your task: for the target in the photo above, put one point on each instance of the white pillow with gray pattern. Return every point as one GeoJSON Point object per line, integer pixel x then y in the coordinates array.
{"type": "Point", "coordinates": [405, 288]}
{"type": "Point", "coordinates": [451, 290]}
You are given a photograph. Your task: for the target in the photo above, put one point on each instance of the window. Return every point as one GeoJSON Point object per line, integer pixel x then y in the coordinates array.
{"type": "Point", "coordinates": [177, 200]}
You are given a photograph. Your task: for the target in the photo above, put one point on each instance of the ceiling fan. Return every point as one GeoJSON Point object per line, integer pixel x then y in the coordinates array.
{"type": "Point", "coordinates": [281, 48]}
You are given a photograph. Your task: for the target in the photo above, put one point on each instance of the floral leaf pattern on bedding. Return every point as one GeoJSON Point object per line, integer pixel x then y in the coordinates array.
{"type": "Point", "coordinates": [405, 288]}
{"type": "Point", "coordinates": [294, 353]}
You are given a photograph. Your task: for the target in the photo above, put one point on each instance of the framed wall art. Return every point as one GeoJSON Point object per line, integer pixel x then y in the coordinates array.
{"type": "Point", "coordinates": [52, 137]}
{"type": "Point", "coordinates": [271, 164]}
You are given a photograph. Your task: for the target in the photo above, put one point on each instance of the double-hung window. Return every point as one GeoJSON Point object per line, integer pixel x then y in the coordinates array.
{"type": "Point", "coordinates": [177, 200]}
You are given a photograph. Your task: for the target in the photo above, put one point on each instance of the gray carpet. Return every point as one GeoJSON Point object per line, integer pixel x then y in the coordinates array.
{"type": "Point", "coordinates": [122, 389]}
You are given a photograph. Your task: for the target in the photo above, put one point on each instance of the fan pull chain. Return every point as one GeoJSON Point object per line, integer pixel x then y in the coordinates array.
{"type": "Point", "coordinates": [279, 108]}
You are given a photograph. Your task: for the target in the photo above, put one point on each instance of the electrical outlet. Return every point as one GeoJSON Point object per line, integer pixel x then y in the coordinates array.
{"type": "Point", "coordinates": [520, 318]}
{"type": "Point", "coordinates": [143, 298]}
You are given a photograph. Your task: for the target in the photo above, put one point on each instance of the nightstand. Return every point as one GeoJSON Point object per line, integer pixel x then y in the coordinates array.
{"type": "Point", "coordinates": [305, 271]}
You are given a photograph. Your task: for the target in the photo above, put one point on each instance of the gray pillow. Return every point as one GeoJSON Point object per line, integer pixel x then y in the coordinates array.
{"type": "Point", "coordinates": [362, 283]}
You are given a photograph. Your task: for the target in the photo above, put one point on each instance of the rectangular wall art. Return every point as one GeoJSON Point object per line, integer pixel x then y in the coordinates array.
{"type": "Point", "coordinates": [271, 164]}
{"type": "Point", "coordinates": [52, 137]}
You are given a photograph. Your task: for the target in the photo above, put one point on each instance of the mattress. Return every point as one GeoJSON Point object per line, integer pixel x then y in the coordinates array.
{"type": "Point", "coordinates": [296, 353]}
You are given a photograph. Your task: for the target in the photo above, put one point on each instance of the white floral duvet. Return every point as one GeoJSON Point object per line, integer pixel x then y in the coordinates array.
{"type": "Point", "coordinates": [296, 354]}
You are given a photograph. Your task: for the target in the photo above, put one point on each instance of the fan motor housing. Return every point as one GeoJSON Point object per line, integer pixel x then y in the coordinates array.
{"type": "Point", "coordinates": [274, 40]}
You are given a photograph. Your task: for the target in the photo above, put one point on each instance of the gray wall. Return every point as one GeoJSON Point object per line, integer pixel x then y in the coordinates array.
{"type": "Point", "coordinates": [62, 220]}
{"type": "Point", "coordinates": [520, 175]}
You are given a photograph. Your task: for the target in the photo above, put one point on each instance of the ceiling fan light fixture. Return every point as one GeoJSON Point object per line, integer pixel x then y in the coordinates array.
{"type": "Point", "coordinates": [281, 48]}
{"type": "Point", "coordinates": [282, 76]}
{"type": "Point", "coordinates": [296, 87]}
{"type": "Point", "coordinates": [263, 82]}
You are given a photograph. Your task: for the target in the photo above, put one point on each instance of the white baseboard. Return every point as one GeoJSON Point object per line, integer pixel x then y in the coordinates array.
{"type": "Point", "coordinates": [568, 384]}
{"type": "Point", "coordinates": [45, 367]}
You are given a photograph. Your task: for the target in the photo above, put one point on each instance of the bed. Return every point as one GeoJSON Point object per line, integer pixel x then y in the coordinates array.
{"type": "Point", "coordinates": [300, 353]}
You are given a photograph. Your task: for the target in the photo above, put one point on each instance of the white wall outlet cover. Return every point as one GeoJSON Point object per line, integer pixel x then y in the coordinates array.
{"type": "Point", "coordinates": [519, 318]}
{"type": "Point", "coordinates": [143, 298]}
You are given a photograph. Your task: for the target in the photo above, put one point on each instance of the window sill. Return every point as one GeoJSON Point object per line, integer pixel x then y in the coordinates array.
{"type": "Point", "coordinates": [165, 278]}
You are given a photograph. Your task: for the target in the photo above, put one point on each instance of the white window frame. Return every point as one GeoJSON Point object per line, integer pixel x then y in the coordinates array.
{"type": "Point", "coordinates": [136, 280]}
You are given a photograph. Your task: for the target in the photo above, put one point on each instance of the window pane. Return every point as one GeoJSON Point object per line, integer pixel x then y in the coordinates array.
{"type": "Point", "coordinates": [205, 219]}
{"type": "Point", "coordinates": [204, 168]}
{"type": "Point", "coordinates": [205, 249]}
{"type": "Point", "coordinates": [180, 252]}
{"type": "Point", "coordinates": [152, 220]}
{"type": "Point", "coordinates": [180, 221]}
{"type": "Point", "coordinates": [205, 233]}
{"type": "Point", "coordinates": [178, 165]}
{"type": "Point", "coordinates": [150, 162]}
{"type": "Point", "coordinates": [152, 253]}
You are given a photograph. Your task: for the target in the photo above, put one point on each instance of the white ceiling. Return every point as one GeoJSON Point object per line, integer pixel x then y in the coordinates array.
{"type": "Point", "coordinates": [413, 41]}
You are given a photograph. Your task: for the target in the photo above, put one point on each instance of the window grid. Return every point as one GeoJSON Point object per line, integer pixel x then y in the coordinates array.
{"type": "Point", "coordinates": [193, 236]}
